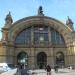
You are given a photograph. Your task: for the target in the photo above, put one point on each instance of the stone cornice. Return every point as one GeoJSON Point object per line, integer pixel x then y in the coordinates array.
{"type": "Point", "coordinates": [38, 17]}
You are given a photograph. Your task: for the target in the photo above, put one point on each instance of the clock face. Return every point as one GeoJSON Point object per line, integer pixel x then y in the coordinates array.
{"type": "Point", "coordinates": [40, 28]}
{"type": "Point", "coordinates": [41, 38]}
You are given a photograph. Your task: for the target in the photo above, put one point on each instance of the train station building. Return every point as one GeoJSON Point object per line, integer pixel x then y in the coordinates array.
{"type": "Point", "coordinates": [36, 41]}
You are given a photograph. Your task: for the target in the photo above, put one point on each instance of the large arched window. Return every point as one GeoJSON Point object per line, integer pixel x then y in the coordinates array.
{"type": "Point", "coordinates": [24, 37]}
{"type": "Point", "coordinates": [56, 37]}
{"type": "Point", "coordinates": [39, 35]}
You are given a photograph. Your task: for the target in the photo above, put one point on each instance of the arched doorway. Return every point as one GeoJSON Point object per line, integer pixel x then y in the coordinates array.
{"type": "Point", "coordinates": [60, 58]}
{"type": "Point", "coordinates": [22, 59]}
{"type": "Point", "coordinates": [41, 60]}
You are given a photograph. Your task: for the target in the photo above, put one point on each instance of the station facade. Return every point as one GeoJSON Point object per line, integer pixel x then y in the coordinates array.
{"type": "Point", "coordinates": [36, 41]}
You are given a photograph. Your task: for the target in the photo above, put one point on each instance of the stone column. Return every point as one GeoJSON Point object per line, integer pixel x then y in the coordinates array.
{"type": "Point", "coordinates": [32, 36]}
{"type": "Point", "coordinates": [32, 59]}
{"type": "Point", "coordinates": [50, 57]}
{"type": "Point", "coordinates": [53, 55]}
{"type": "Point", "coordinates": [3, 53]}
{"type": "Point", "coordinates": [49, 35]}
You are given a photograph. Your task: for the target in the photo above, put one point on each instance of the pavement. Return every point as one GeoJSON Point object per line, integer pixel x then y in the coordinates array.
{"type": "Point", "coordinates": [64, 71]}
{"type": "Point", "coordinates": [10, 72]}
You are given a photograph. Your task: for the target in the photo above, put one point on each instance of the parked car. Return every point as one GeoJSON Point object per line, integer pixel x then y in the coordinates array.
{"type": "Point", "coordinates": [6, 67]}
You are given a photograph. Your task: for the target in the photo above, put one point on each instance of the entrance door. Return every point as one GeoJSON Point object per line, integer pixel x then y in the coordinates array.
{"type": "Point", "coordinates": [60, 58]}
{"type": "Point", "coordinates": [22, 59]}
{"type": "Point", "coordinates": [41, 60]}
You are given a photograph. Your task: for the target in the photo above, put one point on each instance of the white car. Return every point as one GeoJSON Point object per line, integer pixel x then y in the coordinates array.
{"type": "Point", "coordinates": [6, 67]}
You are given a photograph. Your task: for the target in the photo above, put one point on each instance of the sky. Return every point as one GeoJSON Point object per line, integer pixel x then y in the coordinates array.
{"type": "Point", "coordinates": [58, 9]}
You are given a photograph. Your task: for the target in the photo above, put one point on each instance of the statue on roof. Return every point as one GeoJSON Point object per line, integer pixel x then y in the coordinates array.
{"type": "Point", "coordinates": [8, 18]}
{"type": "Point", "coordinates": [69, 23]}
{"type": "Point", "coordinates": [40, 11]}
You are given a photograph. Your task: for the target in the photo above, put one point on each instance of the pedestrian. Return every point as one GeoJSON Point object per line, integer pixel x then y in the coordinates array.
{"type": "Point", "coordinates": [48, 69]}
{"type": "Point", "coordinates": [56, 68]}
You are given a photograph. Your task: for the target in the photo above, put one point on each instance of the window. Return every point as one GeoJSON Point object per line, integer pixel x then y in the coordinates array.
{"type": "Point", "coordinates": [22, 58]}
{"type": "Point", "coordinates": [56, 38]}
{"type": "Point", "coordinates": [60, 58]}
{"type": "Point", "coordinates": [41, 35]}
{"type": "Point", "coordinates": [24, 37]}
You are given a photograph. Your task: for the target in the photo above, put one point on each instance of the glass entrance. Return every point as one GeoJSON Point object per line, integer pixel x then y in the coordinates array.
{"type": "Point", "coordinates": [41, 60]}
{"type": "Point", "coordinates": [60, 59]}
{"type": "Point", "coordinates": [22, 59]}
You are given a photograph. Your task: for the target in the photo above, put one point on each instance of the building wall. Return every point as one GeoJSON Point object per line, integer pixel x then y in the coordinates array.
{"type": "Point", "coordinates": [8, 51]}
{"type": "Point", "coordinates": [32, 55]}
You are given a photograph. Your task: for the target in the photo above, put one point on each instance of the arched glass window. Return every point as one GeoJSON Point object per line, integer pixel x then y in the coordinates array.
{"type": "Point", "coordinates": [41, 60]}
{"type": "Point", "coordinates": [60, 58]}
{"type": "Point", "coordinates": [56, 37]}
{"type": "Point", "coordinates": [24, 37]}
{"type": "Point", "coordinates": [41, 35]}
{"type": "Point", "coordinates": [22, 58]}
